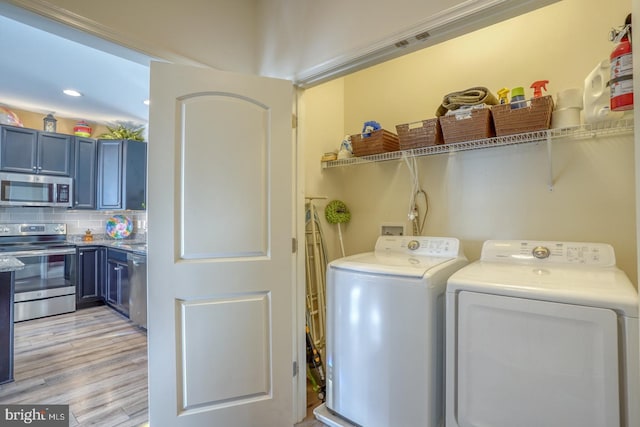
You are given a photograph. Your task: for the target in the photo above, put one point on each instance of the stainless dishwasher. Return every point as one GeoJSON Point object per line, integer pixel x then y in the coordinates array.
{"type": "Point", "coordinates": [137, 264]}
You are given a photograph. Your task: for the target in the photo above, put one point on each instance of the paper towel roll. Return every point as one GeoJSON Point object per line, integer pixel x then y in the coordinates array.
{"type": "Point", "coordinates": [565, 118]}
{"type": "Point", "coordinates": [570, 98]}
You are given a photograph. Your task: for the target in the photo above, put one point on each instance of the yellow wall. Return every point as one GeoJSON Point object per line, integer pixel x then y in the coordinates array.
{"type": "Point", "coordinates": [498, 193]}
{"type": "Point", "coordinates": [33, 120]}
{"type": "Point", "coordinates": [321, 119]}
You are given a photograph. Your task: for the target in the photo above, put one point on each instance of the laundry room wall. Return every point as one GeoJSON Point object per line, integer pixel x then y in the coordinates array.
{"type": "Point", "coordinates": [321, 124]}
{"type": "Point", "coordinates": [496, 193]}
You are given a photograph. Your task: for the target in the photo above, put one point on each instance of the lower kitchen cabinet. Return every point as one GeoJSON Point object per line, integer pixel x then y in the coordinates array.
{"type": "Point", "coordinates": [90, 276]}
{"type": "Point", "coordinates": [103, 277]}
{"type": "Point", "coordinates": [117, 281]}
{"type": "Point", "coordinates": [7, 279]}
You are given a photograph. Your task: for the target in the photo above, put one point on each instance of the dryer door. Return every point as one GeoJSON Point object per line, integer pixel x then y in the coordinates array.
{"type": "Point", "coordinates": [531, 363]}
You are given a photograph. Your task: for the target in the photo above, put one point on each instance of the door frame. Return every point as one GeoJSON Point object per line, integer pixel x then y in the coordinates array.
{"type": "Point", "coordinates": [299, 340]}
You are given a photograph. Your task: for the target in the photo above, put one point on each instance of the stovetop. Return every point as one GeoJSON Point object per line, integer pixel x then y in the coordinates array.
{"type": "Point", "coordinates": [32, 229]}
{"type": "Point", "coordinates": [32, 236]}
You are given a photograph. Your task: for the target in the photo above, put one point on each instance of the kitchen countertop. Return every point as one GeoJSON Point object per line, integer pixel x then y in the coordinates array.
{"type": "Point", "coordinates": [9, 263]}
{"type": "Point", "coordinates": [138, 246]}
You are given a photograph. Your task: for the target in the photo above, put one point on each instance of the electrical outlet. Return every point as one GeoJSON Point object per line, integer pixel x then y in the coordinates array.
{"type": "Point", "coordinates": [392, 230]}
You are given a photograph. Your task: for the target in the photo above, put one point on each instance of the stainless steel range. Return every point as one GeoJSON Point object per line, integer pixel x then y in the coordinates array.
{"type": "Point", "coordinates": [47, 284]}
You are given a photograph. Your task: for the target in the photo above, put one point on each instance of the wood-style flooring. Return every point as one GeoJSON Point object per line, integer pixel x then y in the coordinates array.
{"type": "Point", "coordinates": [94, 360]}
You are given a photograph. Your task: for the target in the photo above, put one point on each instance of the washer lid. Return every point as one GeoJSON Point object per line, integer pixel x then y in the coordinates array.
{"type": "Point", "coordinates": [389, 264]}
{"type": "Point", "coordinates": [605, 287]}
{"type": "Point", "coordinates": [411, 256]}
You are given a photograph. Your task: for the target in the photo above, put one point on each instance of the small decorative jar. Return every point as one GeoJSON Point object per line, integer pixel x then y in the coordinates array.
{"type": "Point", "coordinates": [82, 128]}
{"type": "Point", "coordinates": [88, 237]}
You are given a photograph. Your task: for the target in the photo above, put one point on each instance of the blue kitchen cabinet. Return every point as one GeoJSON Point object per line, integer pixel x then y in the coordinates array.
{"type": "Point", "coordinates": [30, 151]}
{"type": "Point", "coordinates": [122, 174]}
{"type": "Point", "coordinates": [85, 173]}
{"type": "Point", "coordinates": [7, 279]}
{"type": "Point", "coordinates": [90, 276]}
{"type": "Point", "coordinates": [117, 287]}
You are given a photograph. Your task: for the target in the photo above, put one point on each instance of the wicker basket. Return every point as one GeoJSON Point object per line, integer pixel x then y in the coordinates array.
{"type": "Point", "coordinates": [419, 134]}
{"type": "Point", "coordinates": [379, 141]}
{"type": "Point", "coordinates": [536, 116]}
{"type": "Point", "coordinates": [472, 125]}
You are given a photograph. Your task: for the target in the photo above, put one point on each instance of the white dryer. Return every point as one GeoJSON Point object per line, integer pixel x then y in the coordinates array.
{"type": "Point", "coordinates": [542, 334]}
{"type": "Point", "coordinates": [385, 333]}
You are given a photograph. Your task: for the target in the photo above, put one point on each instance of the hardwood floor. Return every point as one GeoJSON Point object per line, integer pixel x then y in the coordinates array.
{"type": "Point", "coordinates": [95, 361]}
{"type": "Point", "coordinates": [312, 402]}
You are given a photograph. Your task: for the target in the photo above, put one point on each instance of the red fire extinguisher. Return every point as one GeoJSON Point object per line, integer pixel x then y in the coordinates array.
{"type": "Point", "coordinates": [621, 83]}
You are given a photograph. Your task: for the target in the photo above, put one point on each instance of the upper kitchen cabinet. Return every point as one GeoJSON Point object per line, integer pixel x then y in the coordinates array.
{"type": "Point", "coordinates": [122, 174]}
{"type": "Point", "coordinates": [31, 151]}
{"type": "Point", "coordinates": [85, 173]}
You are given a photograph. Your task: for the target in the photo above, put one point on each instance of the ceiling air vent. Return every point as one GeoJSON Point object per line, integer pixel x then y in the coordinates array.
{"type": "Point", "coordinates": [423, 36]}
{"type": "Point", "coordinates": [402, 43]}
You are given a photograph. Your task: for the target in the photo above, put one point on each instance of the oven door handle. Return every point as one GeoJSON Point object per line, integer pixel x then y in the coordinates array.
{"type": "Point", "coordinates": [38, 252]}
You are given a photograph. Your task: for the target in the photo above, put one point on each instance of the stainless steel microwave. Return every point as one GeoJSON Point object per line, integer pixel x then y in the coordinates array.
{"type": "Point", "coordinates": [17, 189]}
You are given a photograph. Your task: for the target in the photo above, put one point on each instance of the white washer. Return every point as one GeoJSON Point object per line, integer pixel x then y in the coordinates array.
{"type": "Point", "coordinates": [542, 334]}
{"type": "Point", "coordinates": [385, 333]}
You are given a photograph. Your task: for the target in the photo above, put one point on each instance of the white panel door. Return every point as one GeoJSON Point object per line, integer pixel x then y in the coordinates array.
{"type": "Point", "coordinates": [221, 312]}
{"type": "Point", "coordinates": [530, 363]}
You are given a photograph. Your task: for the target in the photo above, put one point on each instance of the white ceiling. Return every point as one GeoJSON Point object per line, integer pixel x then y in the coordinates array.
{"type": "Point", "coordinates": [42, 57]}
{"type": "Point", "coordinates": [37, 65]}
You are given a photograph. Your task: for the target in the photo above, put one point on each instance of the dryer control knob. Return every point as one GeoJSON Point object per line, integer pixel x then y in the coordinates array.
{"type": "Point", "coordinates": [413, 245]}
{"type": "Point", "coordinates": [541, 252]}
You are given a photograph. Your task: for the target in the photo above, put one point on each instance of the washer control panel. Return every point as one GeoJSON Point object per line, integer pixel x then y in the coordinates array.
{"type": "Point", "coordinates": [541, 252]}
{"type": "Point", "coordinates": [593, 254]}
{"type": "Point", "coordinates": [419, 245]}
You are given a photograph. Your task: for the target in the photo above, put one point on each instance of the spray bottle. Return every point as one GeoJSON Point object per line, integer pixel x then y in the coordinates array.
{"type": "Point", "coordinates": [503, 95]}
{"type": "Point", "coordinates": [538, 86]}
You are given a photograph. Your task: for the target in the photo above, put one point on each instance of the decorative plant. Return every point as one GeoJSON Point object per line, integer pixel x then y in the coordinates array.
{"type": "Point", "coordinates": [124, 131]}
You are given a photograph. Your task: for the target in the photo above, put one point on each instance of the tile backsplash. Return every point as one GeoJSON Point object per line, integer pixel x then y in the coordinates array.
{"type": "Point", "coordinates": [78, 221]}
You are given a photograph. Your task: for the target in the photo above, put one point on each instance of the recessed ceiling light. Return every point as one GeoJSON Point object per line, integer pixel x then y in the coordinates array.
{"type": "Point", "coordinates": [71, 92]}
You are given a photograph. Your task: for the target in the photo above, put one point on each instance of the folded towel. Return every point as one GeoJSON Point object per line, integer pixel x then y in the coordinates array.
{"type": "Point", "coordinates": [471, 96]}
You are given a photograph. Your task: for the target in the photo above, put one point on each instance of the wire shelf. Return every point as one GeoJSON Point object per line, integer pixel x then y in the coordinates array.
{"type": "Point", "coordinates": [606, 128]}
